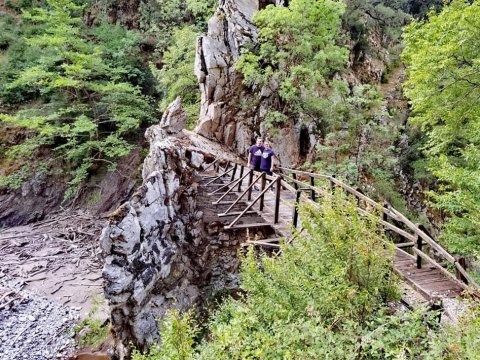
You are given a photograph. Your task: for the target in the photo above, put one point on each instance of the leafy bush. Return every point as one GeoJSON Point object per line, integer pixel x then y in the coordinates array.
{"type": "Point", "coordinates": [178, 333]}
{"type": "Point", "coordinates": [316, 299]}
{"type": "Point", "coordinates": [324, 297]}
{"type": "Point", "coordinates": [84, 107]}
{"type": "Point", "coordinates": [442, 56]}
{"type": "Point", "coordinates": [297, 54]}
{"type": "Point", "coordinates": [176, 77]}
{"type": "Point", "coordinates": [92, 331]}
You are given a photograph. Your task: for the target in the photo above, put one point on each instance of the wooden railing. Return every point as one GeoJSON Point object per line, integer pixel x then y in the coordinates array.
{"type": "Point", "coordinates": [235, 185]}
{"type": "Point", "coordinates": [416, 236]}
{"type": "Point", "coordinates": [313, 187]}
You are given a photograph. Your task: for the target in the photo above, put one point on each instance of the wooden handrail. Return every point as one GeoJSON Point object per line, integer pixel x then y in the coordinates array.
{"type": "Point", "coordinates": [243, 194]}
{"type": "Point", "coordinates": [300, 172]}
{"type": "Point", "coordinates": [393, 214]}
{"type": "Point", "coordinates": [250, 205]}
{"type": "Point", "coordinates": [218, 177]}
{"type": "Point", "coordinates": [211, 164]}
{"type": "Point", "coordinates": [413, 232]}
{"type": "Point", "coordinates": [235, 183]}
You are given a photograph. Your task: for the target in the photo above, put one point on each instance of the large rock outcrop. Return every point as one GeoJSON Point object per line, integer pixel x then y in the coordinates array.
{"type": "Point", "coordinates": [161, 249]}
{"type": "Point", "coordinates": [221, 87]}
{"type": "Point", "coordinates": [230, 112]}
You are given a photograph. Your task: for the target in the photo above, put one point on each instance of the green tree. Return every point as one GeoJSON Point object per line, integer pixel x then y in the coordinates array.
{"type": "Point", "coordinates": [84, 108]}
{"type": "Point", "coordinates": [297, 54]}
{"type": "Point", "coordinates": [176, 76]}
{"type": "Point", "coordinates": [443, 60]}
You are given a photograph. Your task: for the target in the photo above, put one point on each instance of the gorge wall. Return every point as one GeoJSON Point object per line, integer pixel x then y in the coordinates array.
{"type": "Point", "coordinates": [234, 113]}
{"type": "Point", "coordinates": [165, 248]}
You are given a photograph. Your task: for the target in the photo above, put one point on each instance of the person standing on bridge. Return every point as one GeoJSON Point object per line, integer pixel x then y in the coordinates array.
{"type": "Point", "coordinates": [268, 155]}
{"type": "Point", "coordinates": [255, 155]}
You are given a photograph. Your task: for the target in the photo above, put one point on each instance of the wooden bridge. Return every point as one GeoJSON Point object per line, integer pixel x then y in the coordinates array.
{"type": "Point", "coordinates": [419, 259]}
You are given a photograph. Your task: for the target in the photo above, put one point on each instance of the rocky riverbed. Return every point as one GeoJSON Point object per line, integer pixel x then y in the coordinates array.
{"type": "Point", "coordinates": [35, 328]}
{"type": "Point", "coordinates": [50, 277]}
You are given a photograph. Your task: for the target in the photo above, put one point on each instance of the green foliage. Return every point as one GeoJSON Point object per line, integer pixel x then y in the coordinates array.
{"type": "Point", "coordinates": [315, 300]}
{"type": "Point", "coordinates": [202, 11]}
{"type": "Point", "coordinates": [120, 49]}
{"type": "Point", "coordinates": [175, 25]}
{"type": "Point", "coordinates": [161, 18]}
{"type": "Point", "coordinates": [178, 333]}
{"type": "Point", "coordinates": [323, 298]}
{"type": "Point", "coordinates": [364, 17]}
{"type": "Point", "coordinates": [92, 331]}
{"type": "Point", "coordinates": [442, 55]}
{"type": "Point", "coordinates": [84, 107]}
{"type": "Point", "coordinates": [382, 22]}
{"type": "Point", "coordinates": [297, 53]}
{"type": "Point", "coordinates": [458, 342]}
{"type": "Point", "coordinates": [354, 134]}
{"type": "Point", "coordinates": [15, 180]}
{"type": "Point", "coordinates": [176, 77]}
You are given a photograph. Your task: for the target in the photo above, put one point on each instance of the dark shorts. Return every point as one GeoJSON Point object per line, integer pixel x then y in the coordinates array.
{"type": "Point", "coordinates": [257, 168]}
{"type": "Point", "coordinates": [266, 171]}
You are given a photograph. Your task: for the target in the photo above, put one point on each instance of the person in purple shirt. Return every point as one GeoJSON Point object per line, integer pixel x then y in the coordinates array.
{"type": "Point", "coordinates": [255, 154]}
{"type": "Point", "coordinates": [266, 163]}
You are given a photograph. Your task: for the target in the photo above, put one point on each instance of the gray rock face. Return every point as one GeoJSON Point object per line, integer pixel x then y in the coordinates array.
{"type": "Point", "coordinates": [174, 118]}
{"type": "Point", "coordinates": [144, 245]}
{"type": "Point", "coordinates": [157, 250]}
{"type": "Point", "coordinates": [230, 112]}
{"type": "Point", "coordinates": [37, 197]}
{"type": "Point", "coordinates": [221, 87]}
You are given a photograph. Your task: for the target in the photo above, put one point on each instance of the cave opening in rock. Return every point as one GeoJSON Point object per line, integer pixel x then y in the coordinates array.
{"type": "Point", "coordinates": [304, 142]}
{"type": "Point", "coordinates": [262, 4]}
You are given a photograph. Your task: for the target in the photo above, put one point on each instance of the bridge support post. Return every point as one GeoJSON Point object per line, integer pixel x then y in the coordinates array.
{"type": "Point", "coordinates": [463, 263]}
{"type": "Point", "coordinates": [384, 214]}
{"type": "Point", "coordinates": [264, 181]}
{"type": "Point", "coordinates": [294, 177]}
{"type": "Point", "coordinates": [241, 174]}
{"type": "Point", "coordinates": [250, 179]}
{"type": "Point", "coordinates": [295, 209]}
{"type": "Point", "coordinates": [419, 247]}
{"type": "Point", "coordinates": [312, 192]}
{"type": "Point", "coordinates": [217, 166]}
{"type": "Point", "coordinates": [332, 186]}
{"type": "Point", "coordinates": [278, 186]}
{"type": "Point", "coordinates": [234, 172]}
{"type": "Point", "coordinates": [357, 199]}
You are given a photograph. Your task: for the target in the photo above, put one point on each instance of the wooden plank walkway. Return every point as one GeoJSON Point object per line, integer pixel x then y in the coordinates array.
{"type": "Point", "coordinates": [277, 209]}
{"type": "Point", "coordinates": [428, 280]}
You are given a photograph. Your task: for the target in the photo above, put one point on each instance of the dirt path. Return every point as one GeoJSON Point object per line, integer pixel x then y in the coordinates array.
{"type": "Point", "coordinates": [50, 276]}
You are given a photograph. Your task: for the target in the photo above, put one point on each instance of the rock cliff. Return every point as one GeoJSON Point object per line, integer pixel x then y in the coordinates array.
{"type": "Point", "coordinates": [230, 112]}
{"type": "Point", "coordinates": [161, 251]}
